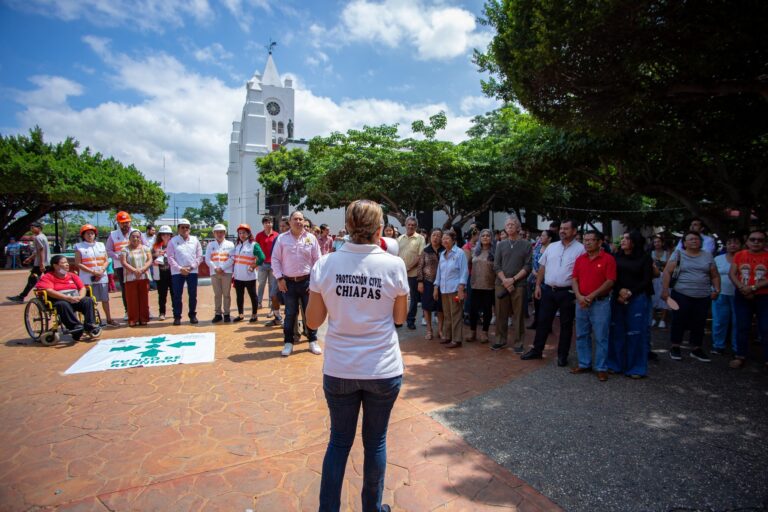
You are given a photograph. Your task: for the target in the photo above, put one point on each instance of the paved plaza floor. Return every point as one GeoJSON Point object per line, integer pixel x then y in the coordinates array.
{"type": "Point", "coordinates": [247, 431]}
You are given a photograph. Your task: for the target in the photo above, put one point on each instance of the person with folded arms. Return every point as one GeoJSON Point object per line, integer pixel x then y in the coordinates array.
{"type": "Point", "coordinates": [219, 256]}
{"type": "Point", "coordinates": [452, 272]}
{"type": "Point", "coordinates": [593, 276]}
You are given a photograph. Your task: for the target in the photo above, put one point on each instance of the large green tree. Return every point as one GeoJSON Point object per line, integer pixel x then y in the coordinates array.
{"type": "Point", "coordinates": [677, 89]}
{"type": "Point", "coordinates": [38, 178]}
{"type": "Point", "coordinates": [209, 212]}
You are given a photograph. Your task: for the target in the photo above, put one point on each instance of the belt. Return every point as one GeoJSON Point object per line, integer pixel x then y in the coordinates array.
{"type": "Point", "coordinates": [559, 288]}
{"type": "Point", "coordinates": [297, 279]}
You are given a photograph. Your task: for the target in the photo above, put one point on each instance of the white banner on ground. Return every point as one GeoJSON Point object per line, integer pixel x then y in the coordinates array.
{"type": "Point", "coordinates": [157, 350]}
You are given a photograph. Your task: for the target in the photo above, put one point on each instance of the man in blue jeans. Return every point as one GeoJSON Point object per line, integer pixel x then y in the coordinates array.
{"type": "Point", "coordinates": [594, 273]}
{"type": "Point", "coordinates": [184, 254]}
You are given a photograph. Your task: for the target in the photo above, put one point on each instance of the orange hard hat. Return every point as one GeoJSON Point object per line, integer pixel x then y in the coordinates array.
{"type": "Point", "coordinates": [123, 217]}
{"type": "Point", "coordinates": [88, 227]}
{"type": "Point", "coordinates": [247, 227]}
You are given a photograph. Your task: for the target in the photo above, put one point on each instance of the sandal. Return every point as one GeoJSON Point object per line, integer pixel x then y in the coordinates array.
{"type": "Point", "coordinates": [253, 319]}
{"type": "Point", "coordinates": [428, 336]}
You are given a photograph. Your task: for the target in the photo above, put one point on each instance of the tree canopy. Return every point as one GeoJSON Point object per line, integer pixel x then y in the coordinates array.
{"type": "Point", "coordinates": [210, 213]}
{"type": "Point", "coordinates": [38, 178]}
{"type": "Point", "coordinates": [677, 90]}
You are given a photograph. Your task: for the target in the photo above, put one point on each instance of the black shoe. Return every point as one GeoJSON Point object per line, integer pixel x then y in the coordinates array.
{"type": "Point", "coordinates": [653, 356]}
{"type": "Point", "coordinates": [562, 361]}
{"type": "Point", "coordinates": [498, 346]}
{"type": "Point", "coordinates": [193, 319]}
{"type": "Point", "coordinates": [227, 319]}
{"type": "Point", "coordinates": [532, 327]}
{"type": "Point", "coordinates": [16, 298]}
{"type": "Point", "coordinates": [385, 508]}
{"type": "Point", "coordinates": [177, 321]}
{"type": "Point", "coordinates": [675, 354]}
{"type": "Point", "coordinates": [76, 333]}
{"type": "Point", "coordinates": [718, 351]}
{"type": "Point", "coordinates": [531, 354]}
{"type": "Point", "coordinates": [700, 355]}
{"type": "Point", "coordinates": [217, 319]}
{"type": "Point", "coordinates": [412, 327]}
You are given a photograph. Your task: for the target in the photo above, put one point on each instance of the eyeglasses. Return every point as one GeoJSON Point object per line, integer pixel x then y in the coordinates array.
{"type": "Point", "coordinates": [757, 240]}
{"type": "Point", "coordinates": [183, 227]}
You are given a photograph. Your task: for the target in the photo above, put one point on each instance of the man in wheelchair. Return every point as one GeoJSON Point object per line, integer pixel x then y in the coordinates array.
{"type": "Point", "coordinates": [68, 295]}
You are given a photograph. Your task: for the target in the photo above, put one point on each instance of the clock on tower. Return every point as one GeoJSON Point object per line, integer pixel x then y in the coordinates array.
{"type": "Point", "coordinates": [273, 108]}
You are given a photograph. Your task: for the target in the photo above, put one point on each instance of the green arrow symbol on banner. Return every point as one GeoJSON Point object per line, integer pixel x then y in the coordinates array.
{"type": "Point", "coordinates": [159, 339]}
{"type": "Point", "coordinates": [123, 349]}
{"type": "Point", "coordinates": [153, 345]}
{"type": "Point", "coordinates": [180, 344]}
{"type": "Point", "coordinates": [150, 353]}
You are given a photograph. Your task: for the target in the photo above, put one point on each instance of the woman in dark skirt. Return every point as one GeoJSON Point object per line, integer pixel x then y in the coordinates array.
{"type": "Point", "coordinates": [425, 277]}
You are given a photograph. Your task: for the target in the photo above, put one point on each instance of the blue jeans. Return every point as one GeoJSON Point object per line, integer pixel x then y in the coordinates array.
{"type": "Point", "coordinates": [628, 348]}
{"type": "Point", "coordinates": [296, 295]}
{"type": "Point", "coordinates": [266, 276]}
{"type": "Point", "coordinates": [344, 397]}
{"type": "Point", "coordinates": [723, 317]}
{"type": "Point", "coordinates": [413, 284]}
{"type": "Point", "coordinates": [597, 319]}
{"type": "Point", "coordinates": [177, 288]}
{"type": "Point", "coordinates": [745, 308]}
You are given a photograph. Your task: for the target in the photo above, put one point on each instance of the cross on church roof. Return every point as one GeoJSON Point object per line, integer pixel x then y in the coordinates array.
{"type": "Point", "coordinates": [271, 45]}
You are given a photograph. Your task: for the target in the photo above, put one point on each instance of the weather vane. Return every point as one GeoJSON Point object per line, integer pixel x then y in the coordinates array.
{"type": "Point", "coordinates": [271, 45]}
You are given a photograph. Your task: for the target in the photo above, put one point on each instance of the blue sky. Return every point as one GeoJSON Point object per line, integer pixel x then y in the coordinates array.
{"type": "Point", "coordinates": [164, 79]}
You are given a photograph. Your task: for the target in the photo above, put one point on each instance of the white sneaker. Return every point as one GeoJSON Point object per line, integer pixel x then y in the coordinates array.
{"type": "Point", "coordinates": [493, 320]}
{"type": "Point", "coordinates": [287, 349]}
{"type": "Point", "coordinates": [270, 314]}
{"type": "Point", "coordinates": [423, 322]}
{"type": "Point", "coordinates": [315, 348]}
{"type": "Point", "coordinates": [662, 325]}
{"type": "Point", "coordinates": [125, 317]}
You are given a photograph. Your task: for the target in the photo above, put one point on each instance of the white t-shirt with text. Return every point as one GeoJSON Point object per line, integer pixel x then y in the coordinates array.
{"type": "Point", "coordinates": [359, 284]}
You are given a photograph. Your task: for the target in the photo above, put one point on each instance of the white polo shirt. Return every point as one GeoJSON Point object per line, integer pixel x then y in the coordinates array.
{"type": "Point", "coordinates": [359, 284]}
{"type": "Point", "coordinates": [558, 263]}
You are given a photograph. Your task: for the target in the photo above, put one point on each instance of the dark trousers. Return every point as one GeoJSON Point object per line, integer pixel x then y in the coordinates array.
{"type": "Point", "coordinates": [34, 275]}
{"type": "Point", "coordinates": [240, 288]}
{"type": "Point", "coordinates": [745, 310]}
{"type": "Point", "coordinates": [163, 287]}
{"type": "Point", "coordinates": [551, 301]}
{"type": "Point", "coordinates": [692, 316]}
{"type": "Point", "coordinates": [296, 296]}
{"type": "Point", "coordinates": [413, 284]}
{"type": "Point", "coordinates": [120, 279]}
{"type": "Point", "coordinates": [482, 303]}
{"type": "Point", "coordinates": [67, 313]}
{"type": "Point", "coordinates": [177, 287]}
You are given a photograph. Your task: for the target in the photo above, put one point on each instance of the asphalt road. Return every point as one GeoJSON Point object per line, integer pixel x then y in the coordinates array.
{"type": "Point", "coordinates": [692, 436]}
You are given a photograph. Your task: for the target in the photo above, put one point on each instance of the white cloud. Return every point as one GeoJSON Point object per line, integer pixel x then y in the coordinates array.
{"type": "Point", "coordinates": [478, 104]}
{"type": "Point", "coordinates": [187, 117]}
{"type": "Point", "coordinates": [436, 31]}
{"type": "Point", "coordinates": [149, 15]}
{"type": "Point", "coordinates": [213, 54]}
{"type": "Point", "coordinates": [242, 11]}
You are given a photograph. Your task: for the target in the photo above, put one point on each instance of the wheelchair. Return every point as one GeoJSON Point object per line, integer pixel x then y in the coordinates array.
{"type": "Point", "coordinates": [43, 323]}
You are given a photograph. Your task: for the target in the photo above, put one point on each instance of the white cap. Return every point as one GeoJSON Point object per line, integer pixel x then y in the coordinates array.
{"type": "Point", "coordinates": [183, 222]}
{"type": "Point", "coordinates": [164, 229]}
{"type": "Point", "coordinates": [219, 227]}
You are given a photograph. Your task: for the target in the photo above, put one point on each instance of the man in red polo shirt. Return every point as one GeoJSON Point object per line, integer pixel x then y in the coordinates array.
{"type": "Point", "coordinates": [67, 292]}
{"type": "Point", "coordinates": [266, 240]}
{"type": "Point", "coordinates": [593, 276]}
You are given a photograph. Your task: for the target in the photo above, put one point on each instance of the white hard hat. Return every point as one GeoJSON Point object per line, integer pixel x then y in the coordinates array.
{"type": "Point", "coordinates": [164, 229]}
{"type": "Point", "coordinates": [183, 222]}
{"type": "Point", "coordinates": [219, 227]}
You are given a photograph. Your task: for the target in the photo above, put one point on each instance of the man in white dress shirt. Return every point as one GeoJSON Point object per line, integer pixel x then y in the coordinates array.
{"type": "Point", "coordinates": [184, 254]}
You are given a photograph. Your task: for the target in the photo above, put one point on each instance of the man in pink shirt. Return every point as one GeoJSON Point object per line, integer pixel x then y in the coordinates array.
{"type": "Point", "coordinates": [293, 256]}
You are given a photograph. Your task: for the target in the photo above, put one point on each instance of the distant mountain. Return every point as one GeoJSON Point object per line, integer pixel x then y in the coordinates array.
{"type": "Point", "coordinates": [180, 200]}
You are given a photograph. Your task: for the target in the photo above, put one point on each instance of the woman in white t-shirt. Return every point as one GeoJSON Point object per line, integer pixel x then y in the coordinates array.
{"type": "Point", "coordinates": [363, 291]}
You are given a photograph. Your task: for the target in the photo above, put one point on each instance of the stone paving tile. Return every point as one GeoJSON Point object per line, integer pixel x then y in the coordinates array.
{"type": "Point", "coordinates": [247, 431]}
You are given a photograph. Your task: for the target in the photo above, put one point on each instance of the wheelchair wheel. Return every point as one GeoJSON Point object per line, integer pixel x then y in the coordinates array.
{"type": "Point", "coordinates": [35, 319]}
{"type": "Point", "coordinates": [50, 338]}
